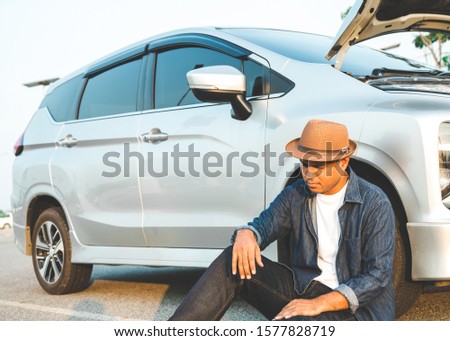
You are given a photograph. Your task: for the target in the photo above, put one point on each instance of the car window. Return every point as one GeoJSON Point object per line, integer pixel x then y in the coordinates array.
{"type": "Point", "coordinates": [280, 84]}
{"type": "Point", "coordinates": [255, 75]}
{"type": "Point", "coordinates": [171, 86]}
{"type": "Point", "coordinates": [257, 78]}
{"type": "Point", "coordinates": [111, 92]}
{"type": "Point", "coordinates": [61, 101]}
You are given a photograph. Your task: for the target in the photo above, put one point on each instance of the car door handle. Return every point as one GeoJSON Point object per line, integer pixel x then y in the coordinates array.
{"type": "Point", "coordinates": [68, 142]}
{"type": "Point", "coordinates": [154, 136]}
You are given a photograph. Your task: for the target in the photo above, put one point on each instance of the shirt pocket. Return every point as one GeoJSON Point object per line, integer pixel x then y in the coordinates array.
{"type": "Point", "coordinates": [353, 253]}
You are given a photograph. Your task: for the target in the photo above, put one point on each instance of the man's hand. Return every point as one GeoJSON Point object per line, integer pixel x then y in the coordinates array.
{"type": "Point", "coordinates": [299, 307]}
{"type": "Point", "coordinates": [246, 254]}
{"type": "Point", "coordinates": [332, 301]}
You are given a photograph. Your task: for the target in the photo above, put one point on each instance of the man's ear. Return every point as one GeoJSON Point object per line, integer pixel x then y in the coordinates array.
{"type": "Point", "coordinates": [344, 162]}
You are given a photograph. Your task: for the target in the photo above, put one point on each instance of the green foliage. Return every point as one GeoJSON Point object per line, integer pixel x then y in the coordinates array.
{"type": "Point", "coordinates": [422, 41]}
{"type": "Point", "coordinates": [429, 41]}
{"type": "Point", "coordinates": [446, 62]}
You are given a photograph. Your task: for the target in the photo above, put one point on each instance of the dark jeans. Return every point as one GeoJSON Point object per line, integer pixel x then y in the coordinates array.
{"type": "Point", "coordinates": [269, 291]}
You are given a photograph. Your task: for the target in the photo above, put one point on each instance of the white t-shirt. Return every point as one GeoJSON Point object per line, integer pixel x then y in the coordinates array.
{"type": "Point", "coordinates": [329, 232]}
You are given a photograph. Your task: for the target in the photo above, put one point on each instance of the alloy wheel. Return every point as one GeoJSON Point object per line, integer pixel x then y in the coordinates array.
{"type": "Point", "coordinates": [49, 252]}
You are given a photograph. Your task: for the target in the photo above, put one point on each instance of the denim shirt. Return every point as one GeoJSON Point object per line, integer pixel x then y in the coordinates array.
{"type": "Point", "coordinates": [364, 262]}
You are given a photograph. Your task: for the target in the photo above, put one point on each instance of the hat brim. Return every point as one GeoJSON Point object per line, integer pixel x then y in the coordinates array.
{"type": "Point", "coordinates": [318, 156]}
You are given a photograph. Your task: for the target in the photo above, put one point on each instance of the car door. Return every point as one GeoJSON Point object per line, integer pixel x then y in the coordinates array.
{"type": "Point", "coordinates": [99, 188]}
{"type": "Point", "coordinates": [205, 171]}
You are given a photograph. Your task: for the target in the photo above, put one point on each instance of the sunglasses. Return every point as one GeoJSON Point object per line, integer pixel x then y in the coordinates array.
{"type": "Point", "coordinates": [317, 164]}
{"type": "Point", "coordinates": [316, 168]}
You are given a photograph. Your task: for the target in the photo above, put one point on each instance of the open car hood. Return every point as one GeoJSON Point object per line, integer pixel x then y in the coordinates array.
{"type": "Point", "coordinates": [371, 18]}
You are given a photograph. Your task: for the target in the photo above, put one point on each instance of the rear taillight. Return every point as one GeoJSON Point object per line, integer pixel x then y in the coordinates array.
{"type": "Point", "coordinates": [444, 162]}
{"type": "Point", "coordinates": [18, 147]}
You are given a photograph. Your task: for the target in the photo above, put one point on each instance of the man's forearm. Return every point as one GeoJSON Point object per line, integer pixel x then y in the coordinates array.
{"type": "Point", "coordinates": [332, 301]}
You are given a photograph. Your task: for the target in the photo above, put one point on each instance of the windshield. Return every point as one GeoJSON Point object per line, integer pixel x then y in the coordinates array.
{"type": "Point", "coordinates": [312, 48]}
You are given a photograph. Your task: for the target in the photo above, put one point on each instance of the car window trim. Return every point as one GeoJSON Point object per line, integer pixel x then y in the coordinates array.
{"type": "Point", "coordinates": [199, 105]}
{"type": "Point", "coordinates": [118, 115]}
{"type": "Point", "coordinates": [123, 58]}
{"type": "Point", "coordinates": [199, 40]}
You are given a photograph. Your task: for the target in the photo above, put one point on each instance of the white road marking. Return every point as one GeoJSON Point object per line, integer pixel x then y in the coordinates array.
{"type": "Point", "coordinates": [83, 315]}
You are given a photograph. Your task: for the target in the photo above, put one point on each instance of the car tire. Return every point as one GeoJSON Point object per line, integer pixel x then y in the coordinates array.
{"type": "Point", "coordinates": [7, 226]}
{"type": "Point", "coordinates": [52, 253]}
{"type": "Point", "coordinates": [406, 291]}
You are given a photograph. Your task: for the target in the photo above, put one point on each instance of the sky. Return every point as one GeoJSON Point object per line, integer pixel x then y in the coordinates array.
{"type": "Point", "coordinates": [52, 38]}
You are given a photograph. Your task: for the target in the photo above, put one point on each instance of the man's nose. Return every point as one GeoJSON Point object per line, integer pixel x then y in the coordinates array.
{"type": "Point", "coordinates": [311, 172]}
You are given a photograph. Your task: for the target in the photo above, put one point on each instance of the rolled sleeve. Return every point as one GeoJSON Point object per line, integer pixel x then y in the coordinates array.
{"type": "Point", "coordinates": [349, 295]}
{"type": "Point", "coordinates": [248, 227]}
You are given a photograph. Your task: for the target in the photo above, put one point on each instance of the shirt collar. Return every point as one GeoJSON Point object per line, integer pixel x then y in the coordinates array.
{"type": "Point", "coordinates": [352, 194]}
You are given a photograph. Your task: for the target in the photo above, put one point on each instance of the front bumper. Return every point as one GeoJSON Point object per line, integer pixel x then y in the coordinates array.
{"type": "Point", "coordinates": [430, 248]}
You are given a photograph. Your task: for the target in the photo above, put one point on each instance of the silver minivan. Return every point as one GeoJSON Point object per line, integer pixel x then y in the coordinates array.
{"type": "Point", "coordinates": [155, 154]}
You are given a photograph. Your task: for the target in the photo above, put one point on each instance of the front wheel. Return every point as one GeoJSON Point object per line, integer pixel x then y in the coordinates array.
{"type": "Point", "coordinates": [406, 291]}
{"type": "Point", "coordinates": [52, 253]}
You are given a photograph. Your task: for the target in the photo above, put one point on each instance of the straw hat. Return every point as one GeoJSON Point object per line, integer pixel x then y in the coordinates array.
{"type": "Point", "coordinates": [322, 141]}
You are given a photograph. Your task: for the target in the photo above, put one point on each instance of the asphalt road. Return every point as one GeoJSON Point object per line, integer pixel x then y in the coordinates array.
{"type": "Point", "coordinates": [131, 293]}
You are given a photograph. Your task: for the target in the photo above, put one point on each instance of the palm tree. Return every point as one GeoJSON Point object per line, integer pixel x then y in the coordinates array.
{"type": "Point", "coordinates": [428, 41]}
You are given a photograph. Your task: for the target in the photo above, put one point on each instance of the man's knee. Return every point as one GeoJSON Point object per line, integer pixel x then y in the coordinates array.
{"type": "Point", "coordinates": [228, 252]}
{"type": "Point", "coordinates": [226, 258]}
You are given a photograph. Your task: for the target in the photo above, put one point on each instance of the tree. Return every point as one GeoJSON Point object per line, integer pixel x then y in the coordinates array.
{"type": "Point", "coordinates": [429, 41]}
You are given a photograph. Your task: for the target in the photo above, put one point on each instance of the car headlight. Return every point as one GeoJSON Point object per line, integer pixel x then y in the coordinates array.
{"type": "Point", "coordinates": [444, 162]}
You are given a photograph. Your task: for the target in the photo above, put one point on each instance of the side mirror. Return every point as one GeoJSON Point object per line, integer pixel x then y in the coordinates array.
{"type": "Point", "coordinates": [221, 84]}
